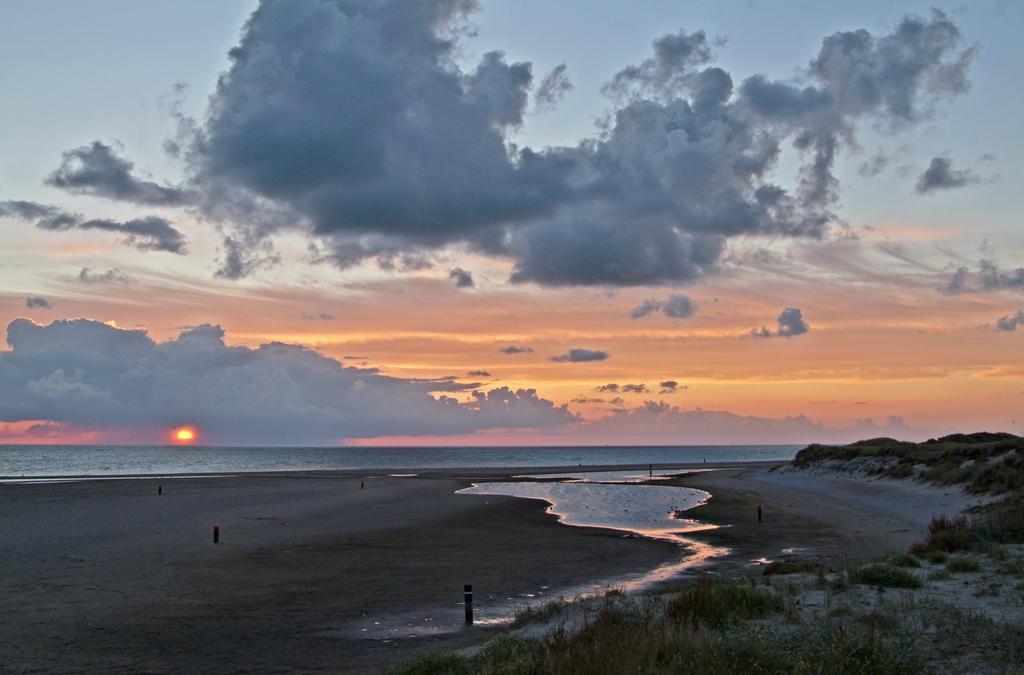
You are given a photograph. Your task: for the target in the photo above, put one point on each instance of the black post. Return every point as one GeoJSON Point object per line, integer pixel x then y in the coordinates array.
{"type": "Point", "coordinates": [759, 513]}
{"type": "Point", "coordinates": [467, 596]}
{"type": "Point", "coordinates": [159, 489]}
{"type": "Point", "coordinates": [650, 470]}
{"type": "Point", "coordinates": [216, 534]}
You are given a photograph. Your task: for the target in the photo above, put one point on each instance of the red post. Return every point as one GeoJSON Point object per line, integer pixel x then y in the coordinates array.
{"type": "Point", "coordinates": [216, 534]}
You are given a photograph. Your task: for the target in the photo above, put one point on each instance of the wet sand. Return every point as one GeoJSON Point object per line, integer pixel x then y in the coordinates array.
{"type": "Point", "coordinates": [107, 575]}
{"type": "Point", "coordinates": [824, 517]}
{"type": "Point", "coordinates": [314, 573]}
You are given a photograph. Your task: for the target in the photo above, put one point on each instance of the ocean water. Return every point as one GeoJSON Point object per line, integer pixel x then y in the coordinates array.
{"type": "Point", "coordinates": [83, 460]}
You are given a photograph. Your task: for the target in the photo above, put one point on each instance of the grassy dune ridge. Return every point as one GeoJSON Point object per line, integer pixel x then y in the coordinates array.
{"type": "Point", "coordinates": [982, 463]}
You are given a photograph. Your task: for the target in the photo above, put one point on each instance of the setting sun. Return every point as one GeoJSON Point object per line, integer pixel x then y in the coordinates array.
{"type": "Point", "coordinates": [184, 434]}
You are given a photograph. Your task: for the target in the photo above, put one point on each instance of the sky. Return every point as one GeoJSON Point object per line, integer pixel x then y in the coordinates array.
{"type": "Point", "coordinates": [449, 222]}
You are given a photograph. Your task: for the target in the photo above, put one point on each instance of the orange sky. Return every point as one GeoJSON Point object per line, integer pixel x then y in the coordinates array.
{"type": "Point", "coordinates": [893, 345]}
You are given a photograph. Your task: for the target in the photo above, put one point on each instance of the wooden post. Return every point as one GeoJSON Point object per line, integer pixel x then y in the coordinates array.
{"type": "Point", "coordinates": [650, 470]}
{"type": "Point", "coordinates": [159, 489]}
{"type": "Point", "coordinates": [467, 596]}
{"type": "Point", "coordinates": [216, 534]}
{"type": "Point", "coordinates": [759, 513]}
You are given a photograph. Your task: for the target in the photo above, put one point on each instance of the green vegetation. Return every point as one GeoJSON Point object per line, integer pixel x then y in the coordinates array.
{"type": "Point", "coordinates": [728, 626]}
{"type": "Point", "coordinates": [538, 613]}
{"type": "Point", "coordinates": [884, 575]}
{"type": "Point", "coordinates": [903, 560]}
{"type": "Point", "coordinates": [963, 564]}
{"type": "Point", "coordinates": [702, 630]}
{"type": "Point", "coordinates": [984, 463]}
{"type": "Point", "coordinates": [719, 604]}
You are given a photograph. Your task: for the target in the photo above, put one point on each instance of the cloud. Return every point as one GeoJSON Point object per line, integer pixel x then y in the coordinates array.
{"type": "Point", "coordinates": [675, 306]}
{"type": "Point", "coordinates": [37, 302]}
{"type": "Point", "coordinates": [634, 389]}
{"type": "Point", "coordinates": [148, 233]}
{"type": "Point", "coordinates": [656, 423]}
{"type": "Point", "coordinates": [47, 217]}
{"type": "Point", "coordinates": [461, 278]}
{"type": "Point", "coordinates": [478, 373]}
{"type": "Point", "coordinates": [513, 349]}
{"type": "Point", "coordinates": [96, 170]}
{"type": "Point", "coordinates": [610, 388]}
{"type": "Point", "coordinates": [553, 88]}
{"type": "Point", "coordinates": [111, 276]}
{"type": "Point", "coordinates": [790, 324]}
{"type": "Point", "coordinates": [585, 399]}
{"type": "Point", "coordinates": [1011, 321]}
{"type": "Point", "coordinates": [940, 175]}
{"type": "Point", "coordinates": [421, 158]}
{"type": "Point", "coordinates": [988, 277]}
{"type": "Point", "coordinates": [88, 374]}
{"type": "Point", "coordinates": [319, 316]}
{"type": "Point", "coordinates": [239, 259]}
{"type": "Point", "coordinates": [578, 355]}
{"type": "Point", "coordinates": [669, 387]}
{"type": "Point", "coordinates": [676, 55]}
{"type": "Point", "coordinates": [878, 163]}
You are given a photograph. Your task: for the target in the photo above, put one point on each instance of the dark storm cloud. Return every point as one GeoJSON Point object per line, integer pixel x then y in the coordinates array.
{"type": "Point", "coordinates": [149, 233]}
{"type": "Point", "coordinates": [790, 324]}
{"type": "Point", "coordinates": [111, 276]}
{"type": "Point", "coordinates": [578, 355]}
{"type": "Point", "coordinates": [419, 158]}
{"type": "Point", "coordinates": [940, 175]}
{"type": "Point", "coordinates": [98, 171]}
{"type": "Point", "coordinates": [552, 88]}
{"type": "Point", "coordinates": [37, 302]}
{"type": "Point", "coordinates": [461, 278]}
{"type": "Point", "coordinates": [513, 349]}
{"type": "Point", "coordinates": [675, 306]}
{"type": "Point", "coordinates": [1011, 321]}
{"type": "Point", "coordinates": [87, 373]}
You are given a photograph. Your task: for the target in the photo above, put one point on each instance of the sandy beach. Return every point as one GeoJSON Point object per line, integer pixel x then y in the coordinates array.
{"type": "Point", "coordinates": [315, 573]}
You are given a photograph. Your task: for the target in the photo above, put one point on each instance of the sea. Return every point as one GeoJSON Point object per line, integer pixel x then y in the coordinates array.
{"type": "Point", "coordinates": [25, 461]}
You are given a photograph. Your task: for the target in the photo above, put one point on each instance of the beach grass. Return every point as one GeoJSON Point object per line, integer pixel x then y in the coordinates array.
{"type": "Point", "coordinates": [710, 626]}
{"type": "Point", "coordinates": [884, 575]}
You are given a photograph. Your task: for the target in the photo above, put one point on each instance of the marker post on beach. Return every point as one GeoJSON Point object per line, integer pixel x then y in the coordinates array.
{"type": "Point", "coordinates": [216, 534]}
{"type": "Point", "coordinates": [159, 489]}
{"type": "Point", "coordinates": [467, 596]}
{"type": "Point", "coordinates": [759, 513]}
